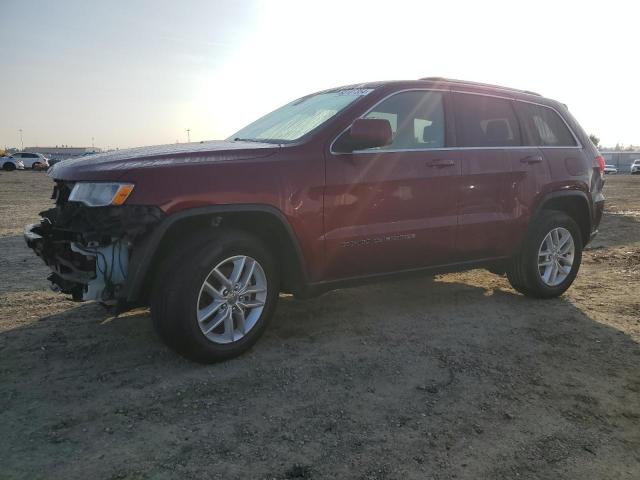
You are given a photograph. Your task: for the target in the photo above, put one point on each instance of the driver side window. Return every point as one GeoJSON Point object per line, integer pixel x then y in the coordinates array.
{"type": "Point", "coordinates": [416, 118]}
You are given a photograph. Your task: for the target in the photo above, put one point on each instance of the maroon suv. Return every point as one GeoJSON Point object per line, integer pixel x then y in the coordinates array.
{"type": "Point", "coordinates": [336, 188]}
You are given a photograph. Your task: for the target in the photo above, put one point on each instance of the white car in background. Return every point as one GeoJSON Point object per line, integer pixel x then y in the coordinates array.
{"type": "Point", "coordinates": [610, 169]}
{"type": "Point", "coordinates": [32, 160]}
{"type": "Point", "coordinates": [635, 166]}
{"type": "Point", "coordinates": [9, 164]}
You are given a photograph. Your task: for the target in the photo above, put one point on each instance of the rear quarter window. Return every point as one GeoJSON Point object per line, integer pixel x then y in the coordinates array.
{"type": "Point", "coordinates": [544, 126]}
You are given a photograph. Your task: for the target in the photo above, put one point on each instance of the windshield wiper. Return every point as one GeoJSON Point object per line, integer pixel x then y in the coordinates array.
{"type": "Point", "coordinates": [255, 140]}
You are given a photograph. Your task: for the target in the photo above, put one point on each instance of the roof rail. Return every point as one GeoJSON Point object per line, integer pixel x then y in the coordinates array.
{"type": "Point", "coordinates": [477, 84]}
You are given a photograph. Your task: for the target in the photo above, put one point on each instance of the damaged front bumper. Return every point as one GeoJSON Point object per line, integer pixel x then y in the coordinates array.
{"type": "Point", "coordinates": [86, 273]}
{"type": "Point", "coordinates": [88, 248]}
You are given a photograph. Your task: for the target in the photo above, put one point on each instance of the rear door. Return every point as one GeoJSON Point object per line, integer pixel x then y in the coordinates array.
{"type": "Point", "coordinates": [558, 161]}
{"type": "Point", "coordinates": [394, 208]}
{"type": "Point", "coordinates": [558, 146]}
{"type": "Point", "coordinates": [490, 144]}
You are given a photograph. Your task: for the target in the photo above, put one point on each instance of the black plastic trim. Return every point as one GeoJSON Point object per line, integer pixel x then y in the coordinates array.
{"type": "Point", "coordinates": [318, 288]}
{"type": "Point", "coordinates": [568, 193]}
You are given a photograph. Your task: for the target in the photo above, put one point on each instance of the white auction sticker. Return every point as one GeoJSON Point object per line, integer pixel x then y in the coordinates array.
{"type": "Point", "coordinates": [358, 92]}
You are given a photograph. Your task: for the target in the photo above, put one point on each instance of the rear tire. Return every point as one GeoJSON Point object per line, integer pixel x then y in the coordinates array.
{"type": "Point", "coordinates": [8, 167]}
{"type": "Point", "coordinates": [549, 259]}
{"type": "Point", "coordinates": [188, 288]}
{"type": "Point", "coordinates": [35, 166]}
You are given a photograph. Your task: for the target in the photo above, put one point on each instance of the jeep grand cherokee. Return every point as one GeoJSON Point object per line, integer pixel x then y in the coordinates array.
{"type": "Point", "coordinates": [336, 188]}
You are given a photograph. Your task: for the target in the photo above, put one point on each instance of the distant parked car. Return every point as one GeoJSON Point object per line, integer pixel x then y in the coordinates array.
{"type": "Point", "coordinates": [32, 160]}
{"type": "Point", "coordinates": [610, 169]}
{"type": "Point", "coordinates": [53, 161]}
{"type": "Point", "coordinates": [9, 164]}
{"type": "Point", "coordinates": [635, 166]}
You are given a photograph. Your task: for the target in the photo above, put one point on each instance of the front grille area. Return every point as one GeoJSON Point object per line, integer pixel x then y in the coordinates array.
{"type": "Point", "coordinates": [70, 234]}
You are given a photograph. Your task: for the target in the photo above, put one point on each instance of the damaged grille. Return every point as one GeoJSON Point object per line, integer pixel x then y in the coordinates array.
{"type": "Point", "coordinates": [87, 248]}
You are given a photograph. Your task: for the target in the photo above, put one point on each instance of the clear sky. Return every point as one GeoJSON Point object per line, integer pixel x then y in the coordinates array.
{"type": "Point", "coordinates": [140, 72]}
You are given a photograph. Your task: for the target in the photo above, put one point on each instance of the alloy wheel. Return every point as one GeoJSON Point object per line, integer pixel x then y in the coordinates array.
{"type": "Point", "coordinates": [555, 256]}
{"type": "Point", "coordinates": [231, 299]}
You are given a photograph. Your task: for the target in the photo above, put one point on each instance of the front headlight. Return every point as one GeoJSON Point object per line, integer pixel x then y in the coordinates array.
{"type": "Point", "coordinates": [100, 194]}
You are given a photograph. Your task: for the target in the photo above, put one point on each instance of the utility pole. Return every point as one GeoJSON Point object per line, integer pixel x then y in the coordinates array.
{"type": "Point", "coordinates": [93, 147]}
{"type": "Point", "coordinates": [21, 142]}
{"type": "Point", "coordinates": [188, 135]}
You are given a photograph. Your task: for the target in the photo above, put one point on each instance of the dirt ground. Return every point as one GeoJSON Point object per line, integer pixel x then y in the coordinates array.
{"type": "Point", "coordinates": [453, 377]}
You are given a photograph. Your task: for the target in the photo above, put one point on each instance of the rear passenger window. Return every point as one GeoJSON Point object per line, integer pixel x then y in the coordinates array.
{"type": "Point", "coordinates": [485, 122]}
{"type": "Point", "coordinates": [416, 118]}
{"type": "Point", "coordinates": [545, 126]}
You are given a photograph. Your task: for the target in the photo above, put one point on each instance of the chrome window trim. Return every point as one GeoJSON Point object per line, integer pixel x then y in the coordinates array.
{"type": "Point", "coordinates": [518, 147]}
{"type": "Point", "coordinates": [578, 145]}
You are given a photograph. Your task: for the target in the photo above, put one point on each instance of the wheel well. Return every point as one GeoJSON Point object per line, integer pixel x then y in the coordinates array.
{"type": "Point", "coordinates": [263, 225]}
{"type": "Point", "coordinates": [577, 208]}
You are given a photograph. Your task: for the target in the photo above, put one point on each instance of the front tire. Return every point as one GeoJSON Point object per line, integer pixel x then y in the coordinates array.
{"type": "Point", "coordinates": [8, 167]}
{"type": "Point", "coordinates": [550, 257]}
{"type": "Point", "coordinates": [214, 297]}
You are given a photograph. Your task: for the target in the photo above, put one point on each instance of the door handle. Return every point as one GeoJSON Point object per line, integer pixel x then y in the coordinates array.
{"type": "Point", "coordinates": [532, 159]}
{"type": "Point", "coordinates": [440, 163]}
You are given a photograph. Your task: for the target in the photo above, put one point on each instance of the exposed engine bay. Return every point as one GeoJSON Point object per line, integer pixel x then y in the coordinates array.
{"type": "Point", "coordinates": [88, 248]}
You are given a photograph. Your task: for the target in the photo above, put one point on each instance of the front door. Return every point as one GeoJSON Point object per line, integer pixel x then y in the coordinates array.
{"type": "Point", "coordinates": [394, 208]}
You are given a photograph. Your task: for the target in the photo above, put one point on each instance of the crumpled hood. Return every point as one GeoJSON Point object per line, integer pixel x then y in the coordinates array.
{"type": "Point", "coordinates": [112, 165]}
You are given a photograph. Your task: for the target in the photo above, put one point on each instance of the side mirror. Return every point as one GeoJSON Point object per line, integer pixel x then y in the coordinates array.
{"type": "Point", "coordinates": [366, 133]}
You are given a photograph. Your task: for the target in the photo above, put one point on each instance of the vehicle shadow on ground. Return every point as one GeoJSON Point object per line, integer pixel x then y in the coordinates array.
{"type": "Point", "coordinates": [407, 377]}
{"type": "Point", "coordinates": [20, 268]}
{"type": "Point", "coordinates": [617, 229]}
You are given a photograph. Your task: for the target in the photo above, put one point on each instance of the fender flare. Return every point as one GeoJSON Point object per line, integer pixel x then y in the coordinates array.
{"type": "Point", "coordinates": [145, 251]}
{"type": "Point", "coordinates": [565, 194]}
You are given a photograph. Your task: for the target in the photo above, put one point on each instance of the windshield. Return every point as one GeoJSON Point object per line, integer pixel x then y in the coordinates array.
{"type": "Point", "coordinates": [296, 119]}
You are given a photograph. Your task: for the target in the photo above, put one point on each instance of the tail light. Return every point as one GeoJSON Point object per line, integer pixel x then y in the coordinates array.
{"type": "Point", "coordinates": [600, 163]}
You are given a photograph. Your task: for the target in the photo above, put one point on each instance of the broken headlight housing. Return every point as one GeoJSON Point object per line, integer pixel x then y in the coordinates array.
{"type": "Point", "coordinates": [100, 194]}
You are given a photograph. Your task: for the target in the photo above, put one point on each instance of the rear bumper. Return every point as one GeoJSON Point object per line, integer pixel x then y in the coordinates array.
{"type": "Point", "coordinates": [598, 211]}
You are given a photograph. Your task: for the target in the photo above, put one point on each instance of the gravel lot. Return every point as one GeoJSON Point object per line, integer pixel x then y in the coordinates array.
{"type": "Point", "coordinates": [449, 377]}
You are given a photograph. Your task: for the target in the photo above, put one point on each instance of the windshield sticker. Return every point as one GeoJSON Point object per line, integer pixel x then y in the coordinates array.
{"type": "Point", "coordinates": [358, 92]}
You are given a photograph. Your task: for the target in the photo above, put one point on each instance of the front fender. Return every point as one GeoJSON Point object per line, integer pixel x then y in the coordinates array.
{"type": "Point", "coordinates": [145, 251]}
